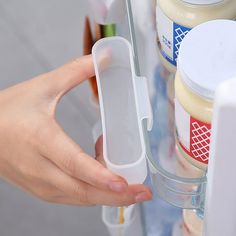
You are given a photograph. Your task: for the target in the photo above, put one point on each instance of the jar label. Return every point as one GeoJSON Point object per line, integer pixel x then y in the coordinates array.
{"type": "Point", "coordinates": [193, 135]}
{"type": "Point", "coordinates": [170, 36]}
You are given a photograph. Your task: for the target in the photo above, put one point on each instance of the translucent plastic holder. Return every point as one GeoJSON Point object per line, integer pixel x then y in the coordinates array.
{"type": "Point", "coordinates": [124, 104]}
{"type": "Point", "coordinates": [132, 221]}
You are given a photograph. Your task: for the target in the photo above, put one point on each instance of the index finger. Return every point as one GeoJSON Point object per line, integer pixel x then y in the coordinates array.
{"type": "Point", "coordinates": [99, 151]}
{"type": "Point", "coordinates": [70, 75]}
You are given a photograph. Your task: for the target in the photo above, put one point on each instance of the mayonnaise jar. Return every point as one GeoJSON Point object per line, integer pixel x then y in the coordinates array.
{"type": "Point", "coordinates": [186, 169]}
{"type": "Point", "coordinates": [207, 57]}
{"type": "Point", "coordinates": [175, 18]}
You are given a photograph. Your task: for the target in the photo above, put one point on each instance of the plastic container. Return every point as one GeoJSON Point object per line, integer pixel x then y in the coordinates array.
{"type": "Point", "coordinates": [132, 221]}
{"type": "Point", "coordinates": [124, 105]}
{"type": "Point", "coordinates": [108, 12]}
{"type": "Point", "coordinates": [175, 18]}
{"type": "Point", "coordinates": [201, 69]}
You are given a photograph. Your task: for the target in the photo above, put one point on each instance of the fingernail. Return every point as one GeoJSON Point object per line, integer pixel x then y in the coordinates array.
{"type": "Point", "coordinates": [142, 197]}
{"type": "Point", "coordinates": [118, 186]}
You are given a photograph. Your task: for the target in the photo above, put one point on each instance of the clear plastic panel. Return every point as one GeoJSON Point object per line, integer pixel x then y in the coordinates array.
{"type": "Point", "coordinates": [175, 180]}
{"type": "Point", "coordinates": [132, 221]}
{"type": "Point", "coordinates": [121, 111]}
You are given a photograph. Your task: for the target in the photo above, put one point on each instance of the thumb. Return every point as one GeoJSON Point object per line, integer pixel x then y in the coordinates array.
{"type": "Point", "coordinates": [99, 151]}
{"type": "Point", "coordinates": [63, 79]}
{"type": "Point", "coordinates": [98, 146]}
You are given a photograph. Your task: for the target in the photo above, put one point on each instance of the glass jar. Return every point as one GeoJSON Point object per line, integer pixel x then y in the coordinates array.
{"type": "Point", "coordinates": [175, 18]}
{"type": "Point", "coordinates": [185, 169]}
{"type": "Point", "coordinates": [207, 57]}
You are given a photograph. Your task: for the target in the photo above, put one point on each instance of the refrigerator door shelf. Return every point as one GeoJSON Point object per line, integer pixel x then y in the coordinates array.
{"type": "Point", "coordinates": [181, 192]}
{"type": "Point", "coordinates": [186, 193]}
{"type": "Point", "coordinates": [174, 179]}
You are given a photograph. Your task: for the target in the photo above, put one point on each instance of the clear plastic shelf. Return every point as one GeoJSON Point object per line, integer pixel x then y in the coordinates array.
{"type": "Point", "coordinates": [173, 177]}
{"type": "Point", "coordinates": [187, 193]}
{"type": "Point", "coordinates": [170, 181]}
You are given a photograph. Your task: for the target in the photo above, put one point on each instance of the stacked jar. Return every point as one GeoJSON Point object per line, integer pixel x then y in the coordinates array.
{"type": "Point", "coordinates": [175, 18]}
{"type": "Point", "coordinates": [207, 57]}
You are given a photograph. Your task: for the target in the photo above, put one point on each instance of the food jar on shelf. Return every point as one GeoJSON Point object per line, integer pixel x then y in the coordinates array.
{"type": "Point", "coordinates": [175, 18]}
{"type": "Point", "coordinates": [203, 63]}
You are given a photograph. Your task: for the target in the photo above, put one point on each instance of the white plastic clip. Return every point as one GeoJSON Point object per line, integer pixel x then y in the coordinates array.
{"type": "Point", "coordinates": [144, 105]}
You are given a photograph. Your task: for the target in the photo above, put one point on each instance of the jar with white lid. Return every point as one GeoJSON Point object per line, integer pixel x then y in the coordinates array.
{"type": "Point", "coordinates": [175, 18]}
{"type": "Point", "coordinates": [186, 169]}
{"type": "Point", "coordinates": [207, 57]}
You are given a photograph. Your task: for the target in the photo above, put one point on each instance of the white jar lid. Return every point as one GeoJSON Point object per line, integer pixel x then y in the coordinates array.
{"type": "Point", "coordinates": [207, 56]}
{"type": "Point", "coordinates": [203, 2]}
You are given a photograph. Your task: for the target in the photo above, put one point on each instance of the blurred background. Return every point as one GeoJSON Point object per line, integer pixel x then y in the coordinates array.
{"type": "Point", "coordinates": [36, 37]}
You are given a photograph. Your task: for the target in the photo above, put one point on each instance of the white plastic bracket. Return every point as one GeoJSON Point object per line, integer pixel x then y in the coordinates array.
{"type": "Point", "coordinates": [144, 105]}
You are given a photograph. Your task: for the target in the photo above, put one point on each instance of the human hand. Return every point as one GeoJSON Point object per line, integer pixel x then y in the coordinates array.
{"type": "Point", "coordinates": [40, 158]}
